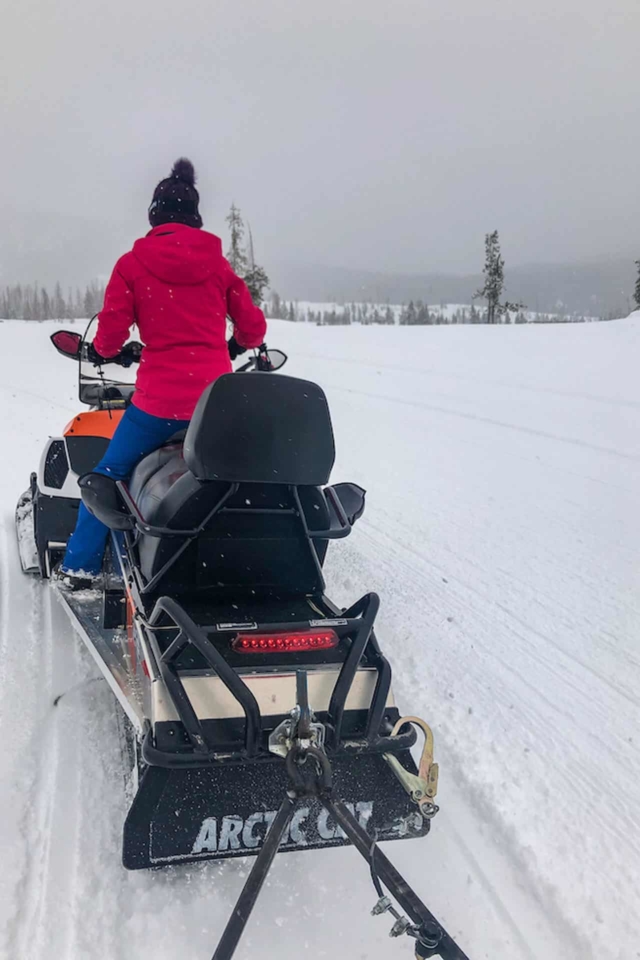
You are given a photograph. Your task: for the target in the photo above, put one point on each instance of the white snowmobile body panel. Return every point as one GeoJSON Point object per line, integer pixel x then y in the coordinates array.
{"type": "Point", "coordinates": [69, 488]}
{"type": "Point", "coordinates": [275, 693]}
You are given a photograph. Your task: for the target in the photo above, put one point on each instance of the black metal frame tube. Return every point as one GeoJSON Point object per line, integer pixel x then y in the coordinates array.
{"type": "Point", "coordinates": [437, 940]}
{"type": "Point", "coordinates": [368, 606]}
{"type": "Point", "coordinates": [411, 904]}
{"type": "Point", "coordinates": [159, 532]}
{"type": "Point", "coordinates": [195, 635]}
{"type": "Point", "coordinates": [251, 890]}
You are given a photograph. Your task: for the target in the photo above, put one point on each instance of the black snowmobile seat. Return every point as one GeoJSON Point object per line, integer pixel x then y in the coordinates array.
{"type": "Point", "coordinates": [259, 447]}
{"type": "Point", "coordinates": [271, 435]}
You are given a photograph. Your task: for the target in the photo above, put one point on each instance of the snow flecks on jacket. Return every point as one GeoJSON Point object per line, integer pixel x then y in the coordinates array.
{"type": "Point", "coordinates": [180, 272]}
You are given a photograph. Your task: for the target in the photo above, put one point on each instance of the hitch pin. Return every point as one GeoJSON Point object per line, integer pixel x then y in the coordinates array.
{"type": "Point", "coordinates": [423, 787]}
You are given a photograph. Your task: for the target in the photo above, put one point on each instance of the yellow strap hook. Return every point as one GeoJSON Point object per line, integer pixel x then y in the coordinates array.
{"type": "Point", "coordinates": [423, 787]}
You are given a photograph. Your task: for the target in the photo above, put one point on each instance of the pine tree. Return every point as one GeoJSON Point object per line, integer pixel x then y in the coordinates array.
{"type": "Point", "coordinates": [78, 304]}
{"type": "Point", "coordinates": [275, 306]}
{"type": "Point", "coordinates": [45, 300]}
{"type": "Point", "coordinates": [636, 293]}
{"type": "Point", "coordinates": [493, 276]}
{"type": "Point", "coordinates": [494, 281]}
{"type": "Point", "coordinates": [236, 254]}
{"type": "Point", "coordinates": [242, 259]}
{"type": "Point", "coordinates": [87, 303]}
{"type": "Point", "coordinates": [409, 315]}
{"type": "Point", "coordinates": [255, 276]}
{"type": "Point", "coordinates": [58, 306]}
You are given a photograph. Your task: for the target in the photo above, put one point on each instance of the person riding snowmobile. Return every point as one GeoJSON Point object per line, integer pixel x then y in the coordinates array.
{"type": "Point", "coordinates": [177, 287]}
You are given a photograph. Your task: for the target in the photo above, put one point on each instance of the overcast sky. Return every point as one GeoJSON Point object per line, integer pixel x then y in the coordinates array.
{"type": "Point", "coordinates": [388, 134]}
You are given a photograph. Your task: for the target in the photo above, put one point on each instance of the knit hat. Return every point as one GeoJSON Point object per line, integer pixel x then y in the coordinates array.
{"type": "Point", "coordinates": [175, 200]}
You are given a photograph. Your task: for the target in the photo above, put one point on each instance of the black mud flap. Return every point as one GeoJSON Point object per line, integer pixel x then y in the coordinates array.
{"type": "Point", "coordinates": [212, 814]}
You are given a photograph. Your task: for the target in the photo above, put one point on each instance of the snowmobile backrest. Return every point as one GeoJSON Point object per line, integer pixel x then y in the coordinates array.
{"type": "Point", "coordinates": [261, 428]}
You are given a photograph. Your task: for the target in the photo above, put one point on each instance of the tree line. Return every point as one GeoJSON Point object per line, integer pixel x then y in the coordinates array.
{"type": "Point", "coordinates": [18, 302]}
{"type": "Point", "coordinates": [415, 313]}
{"type": "Point", "coordinates": [34, 302]}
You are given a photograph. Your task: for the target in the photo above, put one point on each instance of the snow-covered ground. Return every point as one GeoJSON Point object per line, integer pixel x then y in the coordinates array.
{"type": "Point", "coordinates": [503, 534]}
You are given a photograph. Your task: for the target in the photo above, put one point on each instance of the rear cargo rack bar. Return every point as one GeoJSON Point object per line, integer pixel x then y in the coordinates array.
{"type": "Point", "coordinates": [190, 633]}
{"type": "Point", "coordinates": [356, 623]}
{"type": "Point", "coordinates": [367, 608]}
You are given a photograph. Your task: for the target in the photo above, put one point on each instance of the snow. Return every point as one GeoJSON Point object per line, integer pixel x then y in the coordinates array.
{"type": "Point", "coordinates": [502, 531]}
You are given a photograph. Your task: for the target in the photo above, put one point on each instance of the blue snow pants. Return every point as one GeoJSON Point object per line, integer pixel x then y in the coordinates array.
{"type": "Point", "coordinates": [137, 434]}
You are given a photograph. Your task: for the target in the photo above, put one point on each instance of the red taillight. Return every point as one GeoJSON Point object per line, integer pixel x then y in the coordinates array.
{"type": "Point", "coordinates": [285, 642]}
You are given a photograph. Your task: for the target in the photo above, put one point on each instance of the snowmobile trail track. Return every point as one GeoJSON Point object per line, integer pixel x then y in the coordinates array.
{"type": "Point", "coordinates": [532, 917]}
{"type": "Point", "coordinates": [56, 791]}
{"type": "Point", "coordinates": [523, 569]}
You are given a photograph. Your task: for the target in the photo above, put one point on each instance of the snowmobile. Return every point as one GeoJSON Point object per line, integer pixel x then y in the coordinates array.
{"type": "Point", "coordinates": [261, 716]}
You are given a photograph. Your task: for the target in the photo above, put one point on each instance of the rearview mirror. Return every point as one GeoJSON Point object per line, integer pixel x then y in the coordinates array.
{"type": "Point", "coordinates": [67, 343]}
{"type": "Point", "coordinates": [277, 358]}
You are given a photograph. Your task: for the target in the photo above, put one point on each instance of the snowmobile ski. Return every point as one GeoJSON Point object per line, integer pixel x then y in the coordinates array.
{"type": "Point", "coordinates": [27, 549]}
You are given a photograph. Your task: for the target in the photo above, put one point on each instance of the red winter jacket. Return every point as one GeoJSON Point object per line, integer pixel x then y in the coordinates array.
{"type": "Point", "coordinates": [178, 288]}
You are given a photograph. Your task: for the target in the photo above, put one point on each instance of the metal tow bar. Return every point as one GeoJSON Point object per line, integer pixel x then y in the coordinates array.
{"type": "Point", "coordinates": [310, 775]}
{"type": "Point", "coordinates": [421, 788]}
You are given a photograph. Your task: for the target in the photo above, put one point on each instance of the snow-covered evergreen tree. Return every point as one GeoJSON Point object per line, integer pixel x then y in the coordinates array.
{"type": "Point", "coordinates": [58, 305]}
{"type": "Point", "coordinates": [242, 259]}
{"type": "Point", "coordinates": [494, 280]}
{"type": "Point", "coordinates": [636, 293]}
{"type": "Point", "coordinates": [493, 272]}
{"type": "Point", "coordinates": [255, 276]}
{"type": "Point", "coordinates": [409, 315]}
{"type": "Point", "coordinates": [236, 253]}
{"type": "Point", "coordinates": [45, 300]}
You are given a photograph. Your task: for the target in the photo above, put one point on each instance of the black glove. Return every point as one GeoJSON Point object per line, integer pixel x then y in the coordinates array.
{"type": "Point", "coordinates": [130, 353]}
{"type": "Point", "coordinates": [94, 357]}
{"type": "Point", "coordinates": [235, 350]}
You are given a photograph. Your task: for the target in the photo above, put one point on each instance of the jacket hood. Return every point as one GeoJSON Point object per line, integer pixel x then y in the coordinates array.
{"type": "Point", "coordinates": [176, 253]}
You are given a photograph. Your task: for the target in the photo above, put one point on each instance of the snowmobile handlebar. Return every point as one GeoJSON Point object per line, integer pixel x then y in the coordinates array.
{"type": "Point", "coordinates": [131, 353]}
{"type": "Point", "coordinates": [73, 345]}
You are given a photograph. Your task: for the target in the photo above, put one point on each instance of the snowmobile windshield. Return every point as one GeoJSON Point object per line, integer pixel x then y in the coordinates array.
{"type": "Point", "coordinates": [109, 386]}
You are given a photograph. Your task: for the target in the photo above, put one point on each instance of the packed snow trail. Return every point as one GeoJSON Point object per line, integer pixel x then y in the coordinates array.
{"type": "Point", "coordinates": [502, 533]}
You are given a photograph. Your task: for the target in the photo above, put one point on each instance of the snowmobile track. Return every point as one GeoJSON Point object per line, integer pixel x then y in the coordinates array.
{"type": "Point", "coordinates": [510, 551]}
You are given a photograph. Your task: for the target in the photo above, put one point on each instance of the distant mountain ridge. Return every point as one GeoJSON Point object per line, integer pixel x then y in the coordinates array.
{"type": "Point", "coordinates": [600, 288]}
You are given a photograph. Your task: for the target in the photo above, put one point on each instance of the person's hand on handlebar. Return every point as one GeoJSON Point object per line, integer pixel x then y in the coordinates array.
{"type": "Point", "coordinates": [130, 353]}
{"type": "Point", "coordinates": [92, 355]}
{"type": "Point", "coordinates": [235, 350]}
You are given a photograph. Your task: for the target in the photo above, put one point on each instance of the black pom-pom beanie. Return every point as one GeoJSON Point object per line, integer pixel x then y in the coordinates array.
{"type": "Point", "coordinates": [175, 200]}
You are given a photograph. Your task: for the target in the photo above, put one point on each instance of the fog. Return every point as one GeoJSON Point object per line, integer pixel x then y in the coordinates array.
{"type": "Point", "coordinates": [360, 133]}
